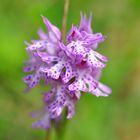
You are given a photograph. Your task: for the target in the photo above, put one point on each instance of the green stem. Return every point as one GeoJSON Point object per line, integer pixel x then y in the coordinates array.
{"type": "Point", "coordinates": [64, 21]}
{"type": "Point", "coordinates": [61, 128]}
{"type": "Point", "coordinates": [48, 134]}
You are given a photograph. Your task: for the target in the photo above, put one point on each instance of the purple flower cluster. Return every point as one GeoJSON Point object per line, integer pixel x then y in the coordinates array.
{"type": "Point", "coordinates": [69, 68]}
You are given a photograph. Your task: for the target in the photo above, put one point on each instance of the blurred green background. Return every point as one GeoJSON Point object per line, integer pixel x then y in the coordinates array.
{"type": "Point", "coordinates": [116, 117]}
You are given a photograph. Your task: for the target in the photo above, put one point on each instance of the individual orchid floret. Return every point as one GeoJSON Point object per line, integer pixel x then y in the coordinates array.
{"type": "Point", "coordinates": [33, 67]}
{"type": "Point", "coordinates": [74, 34]}
{"type": "Point", "coordinates": [91, 58]}
{"type": "Point", "coordinates": [56, 66]}
{"type": "Point", "coordinates": [61, 98]}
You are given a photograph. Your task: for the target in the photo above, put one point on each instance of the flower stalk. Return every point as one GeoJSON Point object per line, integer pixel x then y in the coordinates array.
{"type": "Point", "coordinates": [48, 134]}
{"type": "Point", "coordinates": [64, 21]}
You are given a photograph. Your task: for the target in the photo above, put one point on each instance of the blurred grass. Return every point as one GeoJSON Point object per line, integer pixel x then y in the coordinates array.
{"type": "Point", "coordinates": [114, 118]}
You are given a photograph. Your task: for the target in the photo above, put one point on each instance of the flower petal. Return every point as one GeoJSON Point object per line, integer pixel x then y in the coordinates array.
{"type": "Point", "coordinates": [55, 108]}
{"type": "Point", "coordinates": [102, 90]}
{"type": "Point", "coordinates": [71, 110]}
{"type": "Point", "coordinates": [55, 70]}
{"type": "Point", "coordinates": [42, 35]}
{"type": "Point", "coordinates": [43, 123]}
{"type": "Point", "coordinates": [52, 28]}
{"type": "Point", "coordinates": [29, 68]}
{"type": "Point", "coordinates": [45, 57]}
{"type": "Point", "coordinates": [76, 48]}
{"type": "Point", "coordinates": [48, 96]}
{"type": "Point", "coordinates": [101, 57]}
{"type": "Point", "coordinates": [68, 73]}
{"type": "Point", "coordinates": [85, 23]}
{"type": "Point", "coordinates": [27, 79]}
{"type": "Point", "coordinates": [93, 61]}
{"type": "Point", "coordinates": [32, 80]}
{"type": "Point", "coordinates": [37, 45]}
{"type": "Point", "coordinates": [73, 34]}
{"type": "Point", "coordinates": [78, 85]}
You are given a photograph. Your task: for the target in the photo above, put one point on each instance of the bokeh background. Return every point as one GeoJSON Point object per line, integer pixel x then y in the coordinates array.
{"type": "Point", "coordinates": [116, 117]}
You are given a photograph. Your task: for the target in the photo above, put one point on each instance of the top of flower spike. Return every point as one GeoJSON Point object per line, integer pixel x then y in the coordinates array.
{"type": "Point", "coordinates": [85, 23]}
{"type": "Point", "coordinates": [84, 33]}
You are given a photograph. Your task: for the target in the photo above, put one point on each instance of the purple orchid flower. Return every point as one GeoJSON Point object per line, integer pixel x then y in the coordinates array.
{"type": "Point", "coordinates": [70, 68]}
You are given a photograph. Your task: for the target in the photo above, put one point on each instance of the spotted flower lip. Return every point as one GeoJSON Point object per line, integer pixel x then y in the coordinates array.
{"type": "Point", "coordinates": [70, 68]}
